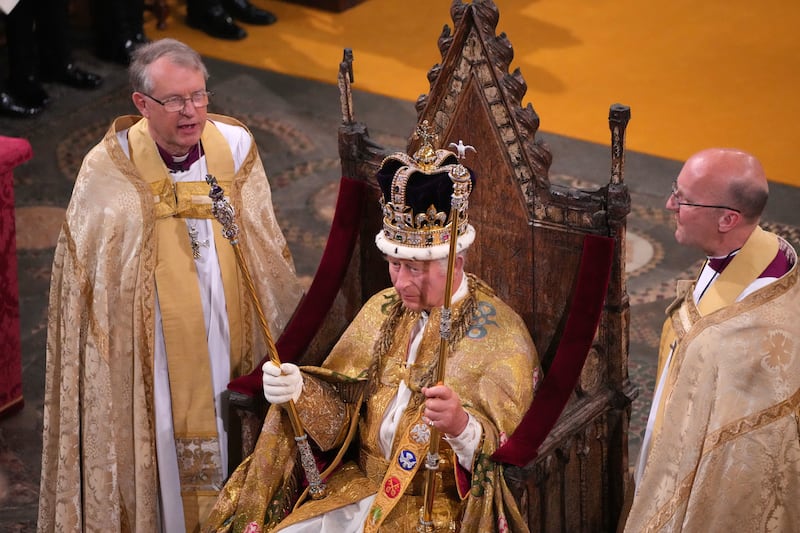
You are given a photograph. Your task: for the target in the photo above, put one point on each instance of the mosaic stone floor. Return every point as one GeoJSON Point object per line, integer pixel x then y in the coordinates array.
{"type": "Point", "coordinates": [294, 122]}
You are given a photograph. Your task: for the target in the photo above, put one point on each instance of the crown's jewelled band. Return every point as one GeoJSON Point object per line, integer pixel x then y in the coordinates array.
{"type": "Point", "coordinates": [426, 229]}
{"type": "Point", "coordinates": [420, 238]}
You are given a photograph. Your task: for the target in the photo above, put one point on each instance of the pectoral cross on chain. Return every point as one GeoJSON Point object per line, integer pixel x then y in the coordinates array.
{"type": "Point", "coordinates": [195, 243]}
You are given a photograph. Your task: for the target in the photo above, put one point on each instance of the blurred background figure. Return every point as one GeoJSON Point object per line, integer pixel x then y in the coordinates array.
{"type": "Point", "coordinates": [118, 27]}
{"type": "Point", "coordinates": [39, 50]}
{"type": "Point", "coordinates": [216, 17]}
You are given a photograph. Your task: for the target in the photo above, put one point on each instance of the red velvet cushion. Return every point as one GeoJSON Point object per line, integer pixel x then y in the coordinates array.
{"type": "Point", "coordinates": [573, 347]}
{"type": "Point", "coordinates": [317, 302]}
{"type": "Point", "coordinates": [13, 152]}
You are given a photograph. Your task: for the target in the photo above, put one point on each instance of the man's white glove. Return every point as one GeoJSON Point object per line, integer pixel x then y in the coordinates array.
{"type": "Point", "coordinates": [281, 384]}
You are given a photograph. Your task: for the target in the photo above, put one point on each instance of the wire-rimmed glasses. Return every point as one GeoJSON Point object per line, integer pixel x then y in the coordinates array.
{"type": "Point", "coordinates": [173, 104]}
{"type": "Point", "coordinates": [674, 194]}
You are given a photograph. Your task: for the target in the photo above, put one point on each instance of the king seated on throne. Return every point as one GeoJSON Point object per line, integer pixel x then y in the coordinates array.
{"type": "Point", "coordinates": [420, 390]}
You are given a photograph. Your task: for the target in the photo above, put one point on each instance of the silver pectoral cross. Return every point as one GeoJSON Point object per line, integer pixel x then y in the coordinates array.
{"type": "Point", "coordinates": [195, 243]}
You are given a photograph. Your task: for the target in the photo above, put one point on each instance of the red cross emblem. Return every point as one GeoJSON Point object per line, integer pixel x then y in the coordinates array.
{"type": "Point", "coordinates": [392, 487]}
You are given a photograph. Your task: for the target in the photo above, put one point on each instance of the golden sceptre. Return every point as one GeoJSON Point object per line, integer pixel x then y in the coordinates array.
{"type": "Point", "coordinates": [458, 204]}
{"type": "Point", "coordinates": [224, 213]}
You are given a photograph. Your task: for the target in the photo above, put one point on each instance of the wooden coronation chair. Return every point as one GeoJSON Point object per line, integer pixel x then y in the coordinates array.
{"type": "Point", "coordinates": [557, 257]}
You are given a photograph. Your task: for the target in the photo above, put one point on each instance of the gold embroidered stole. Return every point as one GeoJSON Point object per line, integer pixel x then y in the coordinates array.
{"type": "Point", "coordinates": [410, 453]}
{"type": "Point", "coordinates": [755, 256]}
{"type": "Point", "coordinates": [185, 335]}
{"type": "Point", "coordinates": [413, 439]}
{"type": "Point", "coordinates": [745, 267]}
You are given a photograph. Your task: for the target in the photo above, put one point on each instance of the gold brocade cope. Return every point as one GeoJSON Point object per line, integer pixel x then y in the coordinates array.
{"type": "Point", "coordinates": [730, 419]}
{"type": "Point", "coordinates": [102, 327]}
{"type": "Point", "coordinates": [185, 335]}
{"type": "Point", "coordinates": [755, 256]}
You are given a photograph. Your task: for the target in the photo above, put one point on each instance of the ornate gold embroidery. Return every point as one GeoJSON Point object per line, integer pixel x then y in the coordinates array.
{"type": "Point", "coordinates": [744, 425]}
{"type": "Point", "coordinates": [778, 351]}
{"type": "Point", "coordinates": [199, 463]}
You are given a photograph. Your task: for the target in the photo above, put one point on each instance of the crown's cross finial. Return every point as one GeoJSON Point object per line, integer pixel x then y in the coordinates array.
{"type": "Point", "coordinates": [425, 132]}
{"type": "Point", "coordinates": [426, 155]}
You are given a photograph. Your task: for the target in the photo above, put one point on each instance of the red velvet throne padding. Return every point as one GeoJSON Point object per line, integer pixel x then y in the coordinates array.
{"type": "Point", "coordinates": [573, 347]}
{"type": "Point", "coordinates": [317, 301]}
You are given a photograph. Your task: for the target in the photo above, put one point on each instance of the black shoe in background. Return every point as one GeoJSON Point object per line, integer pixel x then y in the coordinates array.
{"type": "Point", "coordinates": [248, 13]}
{"type": "Point", "coordinates": [119, 52]}
{"type": "Point", "coordinates": [216, 23]}
{"type": "Point", "coordinates": [139, 38]}
{"type": "Point", "coordinates": [28, 91]}
{"type": "Point", "coordinates": [72, 76]}
{"type": "Point", "coordinates": [10, 107]}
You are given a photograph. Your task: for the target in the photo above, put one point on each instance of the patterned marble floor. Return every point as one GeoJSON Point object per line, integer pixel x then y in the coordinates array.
{"type": "Point", "coordinates": [294, 122]}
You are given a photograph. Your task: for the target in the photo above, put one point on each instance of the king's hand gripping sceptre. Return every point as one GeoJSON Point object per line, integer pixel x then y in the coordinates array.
{"type": "Point", "coordinates": [224, 213]}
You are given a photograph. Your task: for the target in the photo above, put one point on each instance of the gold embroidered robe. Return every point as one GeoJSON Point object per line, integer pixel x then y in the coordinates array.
{"type": "Point", "coordinates": [492, 366]}
{"type": "Point", "coordinates": [99, 469]}
{"type": "Point", "coordinates": [726, 456]}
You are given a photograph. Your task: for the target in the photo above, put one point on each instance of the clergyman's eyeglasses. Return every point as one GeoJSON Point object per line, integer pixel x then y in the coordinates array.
{"type": "Point", "coordinates": [173, 104]}
{"type": "Point", "coordinates": [681, 203]}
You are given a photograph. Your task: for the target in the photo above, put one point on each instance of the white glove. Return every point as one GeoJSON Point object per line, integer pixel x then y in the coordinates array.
{"type": "Point", "coordinates": [281, 384]}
